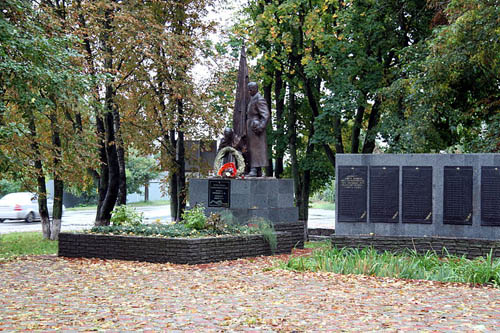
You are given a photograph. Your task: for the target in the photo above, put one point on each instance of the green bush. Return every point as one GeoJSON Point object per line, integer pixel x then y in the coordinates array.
{"type": "Point", "coordinates": [126, 216]}
{"type": "Point", "coordinates": [195, 218]}
{"type": "Point", "coordinates": [171, 230]}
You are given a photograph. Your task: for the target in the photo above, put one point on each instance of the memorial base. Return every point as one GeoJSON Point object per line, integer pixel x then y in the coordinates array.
{"type": "Point", "coordinates": [268, 198]}
{"type": "Point", "coordinates": [249, 199]}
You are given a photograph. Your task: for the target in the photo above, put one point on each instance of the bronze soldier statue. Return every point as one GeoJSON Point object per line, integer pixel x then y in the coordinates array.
{"type": "Point", "coordinates": [257, 119]}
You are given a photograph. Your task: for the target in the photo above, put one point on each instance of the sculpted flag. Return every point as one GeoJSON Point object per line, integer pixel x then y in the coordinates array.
{"type": "Point", "coordinates": [242, 97]}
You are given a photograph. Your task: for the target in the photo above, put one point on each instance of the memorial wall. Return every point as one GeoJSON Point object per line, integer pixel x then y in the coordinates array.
{"type": "Point", "coordinates": [448, 195]}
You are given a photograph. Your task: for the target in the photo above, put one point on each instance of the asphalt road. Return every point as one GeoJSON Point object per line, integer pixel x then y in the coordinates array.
{"type": "Point", "coordinates": [84, 219]}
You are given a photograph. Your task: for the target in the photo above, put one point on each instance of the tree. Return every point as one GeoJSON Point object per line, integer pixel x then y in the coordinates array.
{"type": "Point", "coordinates": [166, 105]}
{"type": "Point", "coordinates": [337, 57]}
{"type": "Point", "coordinates": [112, 32]}
{"type": "Point", "coordinates": [448, 98]}
{"type": "Point", "coordinates": [140, 171]}
{"type": "Point", "coordinates": [41, 87]}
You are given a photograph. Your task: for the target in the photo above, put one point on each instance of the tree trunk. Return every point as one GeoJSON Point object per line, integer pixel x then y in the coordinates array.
{"type": "Point", "coordinates": [41, 187]}
{"type": "Point", "coordinates": [337, 130]}
{"type": "Point", "coordinates": [313, 99]}
{"type": "Point", "coordinates": [146, 192]}
{"type": "Point", "coordinates": [174, 199]}
{"type": "Point", "coordinates": [58, 182]}
{"type": "Point", "coordinates": [120, 153]}
{"type": "Point", "coordinates": [57, 210]}
{"type": "Point", "coordinates": [103, 179]}
{"type": "Point", "coordinates": [279, 93]}
{"type": "Point", "coordinates": [269, 129]}
{"type": "Point", "coordinates": [180, 160]}
{"type": "Point", "coordinates": [371, 133]}
{"type": "Point", "coordinates": [104, 213]}
{"type": "Point", "coordinates": [292, 143]}
{"type": "Point", "coordinates": [42, 201]}
{"type": "Point", "coordinates": [356, 130]}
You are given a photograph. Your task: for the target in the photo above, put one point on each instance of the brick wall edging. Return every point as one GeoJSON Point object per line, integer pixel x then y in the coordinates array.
{"type": "Point", "coordinates": [469, 247]}
{"type": "Point", "coordinates": [173, 250]}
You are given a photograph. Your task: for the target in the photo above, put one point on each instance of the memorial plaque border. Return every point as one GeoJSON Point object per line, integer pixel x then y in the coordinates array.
{"type": "Point", "coordinates": [363, 217]}
{"type": "Point", "coordinates": [392, 217]}
{"type": "Point", "coordinates": [428, 216]}
{"type": "Point", "coordinates": [486, 221]}
{"type": "Point", "coordinates": [220, 181]}
{"type": "Point", "coordinates": [467, 219]}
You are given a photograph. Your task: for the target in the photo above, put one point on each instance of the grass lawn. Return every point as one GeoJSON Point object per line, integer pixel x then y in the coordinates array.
{"type": "Point", "coordinates": [132, 204]}
{"type": "Point", "coordinates": [322, 205]}
{"type": "Point", "coordinates": [17, 244]}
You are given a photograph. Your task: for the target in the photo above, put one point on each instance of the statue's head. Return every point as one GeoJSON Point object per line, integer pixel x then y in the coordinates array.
{"type": "Point", "coordinates": [228, 132]}
{"type": "Point", "coordinates": [253, 88]}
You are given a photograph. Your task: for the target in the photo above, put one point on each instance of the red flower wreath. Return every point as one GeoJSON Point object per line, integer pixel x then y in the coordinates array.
{"type": "Point", "coordinates": [227, 170]}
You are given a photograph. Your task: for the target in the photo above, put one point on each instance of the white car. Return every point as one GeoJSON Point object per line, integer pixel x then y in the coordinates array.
{"type": "Point", "coordinates": [21, 206]}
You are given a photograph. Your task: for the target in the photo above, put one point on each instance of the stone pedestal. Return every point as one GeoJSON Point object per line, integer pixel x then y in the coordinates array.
{"type": "Point", "coordinates": [272, 199]}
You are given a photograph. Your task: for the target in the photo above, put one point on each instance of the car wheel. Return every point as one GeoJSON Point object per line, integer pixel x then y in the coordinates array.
{"type": "Point", "coordinates": [1, 220]}
{"type": "Point", "coordinates": [30, 217]}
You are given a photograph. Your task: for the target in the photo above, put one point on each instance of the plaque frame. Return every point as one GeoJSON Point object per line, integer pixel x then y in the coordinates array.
{"type": "Point", "coordinates": [223, 188]}
{"type": "Point", "coordinates": [464, 188]}
{"type": "Point", "coordinates": [390, 194]}
{"type": "Point", "coordinates": [359, 193]}
{"type": "Point", "coordinates": [425, 185]}
{"type": "Point", "coordinates": [490, 172]}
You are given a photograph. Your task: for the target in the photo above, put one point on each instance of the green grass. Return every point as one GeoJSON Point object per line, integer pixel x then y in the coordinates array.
{"type": "Point", "coordinates": [323, 205]}
{"type": "Point", "coordinates": [406, 265]}
{"type": "Point", "coordinates": [17, 244]}
{"type": "Point", "coordinates": [132, 204]}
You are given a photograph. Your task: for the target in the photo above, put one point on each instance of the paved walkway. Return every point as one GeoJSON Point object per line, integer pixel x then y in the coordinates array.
{"type": "Point", "coordinates": [45, 293]}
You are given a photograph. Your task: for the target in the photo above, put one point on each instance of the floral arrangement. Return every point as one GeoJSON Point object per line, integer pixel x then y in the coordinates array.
{"type": "Point", "coordinates": [238, 169]}
{"type": "Point", "coordinates": [227, 170]}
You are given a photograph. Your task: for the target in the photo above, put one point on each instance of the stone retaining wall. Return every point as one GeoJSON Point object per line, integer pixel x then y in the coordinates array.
{"type": "Point", "coordinates": [173, 250]}
{"type": "Point", "coordinates": [471, 248]}
{"type": "Point", "coordinates": [295, 228]}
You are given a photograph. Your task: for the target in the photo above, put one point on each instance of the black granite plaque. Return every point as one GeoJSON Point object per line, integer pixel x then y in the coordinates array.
{"type": "Point", "coordinates": [457, 195]}
{"type": "Point", "coordinates": [351, 203]}
{"type": "Point", "coordinates": [490, 196]}
{"type": "Point", "coordinates": [384, 194]}
{"type": "Point", "coordinates": [219, 193]}
{"type": "Point", "coordinates": [417, 194]}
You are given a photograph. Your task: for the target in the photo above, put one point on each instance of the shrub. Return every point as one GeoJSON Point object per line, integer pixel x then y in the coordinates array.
{"type": "Point", "coordinates": [195, 218]}
{"type": "Point", "coordinates": [126, 216]}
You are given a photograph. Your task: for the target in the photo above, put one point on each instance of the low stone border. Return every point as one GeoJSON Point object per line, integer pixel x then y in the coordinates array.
{"type": "Point", "coordinates": [295, 228]}
{"type": "Point", "coordinates": [320, 232]}
{"type": "Point", "coordinates": [173, 250]}
{"type": "Point", "coordinates": [471, 248]}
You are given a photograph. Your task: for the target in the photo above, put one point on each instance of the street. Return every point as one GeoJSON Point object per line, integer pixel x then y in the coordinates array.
{"type": "Point", "coordinates": [84, 219]}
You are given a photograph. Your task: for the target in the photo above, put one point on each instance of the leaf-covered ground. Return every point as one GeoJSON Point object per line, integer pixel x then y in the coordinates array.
{"type": "Point", "coordinates": [46, 292]}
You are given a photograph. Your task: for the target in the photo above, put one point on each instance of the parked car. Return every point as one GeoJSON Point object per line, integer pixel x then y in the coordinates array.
{"type": "Point", "coordinates": [22, 206]}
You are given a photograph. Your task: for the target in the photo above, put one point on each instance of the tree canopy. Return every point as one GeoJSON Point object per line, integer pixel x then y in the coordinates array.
{"type": "Point", "coordinates": [87, 85]}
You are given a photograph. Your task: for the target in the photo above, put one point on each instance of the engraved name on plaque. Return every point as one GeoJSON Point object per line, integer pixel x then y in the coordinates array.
{"type": "Point", "coordinates": [352, 198]}
{"type": "Point", "coordinates": [417, 194]}
{"type": "Point", "coordinates": [490, 196]}
{"type": "Point", "coordinates": [384, 194]}
{"type": "Point", "coordinates": [219, 193]}
{"type": "Point", "coordinates": [457, 195]}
